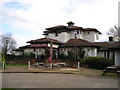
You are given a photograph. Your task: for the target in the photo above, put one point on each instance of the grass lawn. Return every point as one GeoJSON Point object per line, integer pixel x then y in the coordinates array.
{"type": "Point", "coordinates": [8, 89]}
{"type": "Point", "coordinates": [83, 71]}
{"type": "Point", "coordinates": [16, 64]}
{"type": "Point", "coordinates": [15, 67]}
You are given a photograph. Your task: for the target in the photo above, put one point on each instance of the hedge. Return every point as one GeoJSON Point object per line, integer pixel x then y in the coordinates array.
{"type": "Point", "coordinates": [97, 62]}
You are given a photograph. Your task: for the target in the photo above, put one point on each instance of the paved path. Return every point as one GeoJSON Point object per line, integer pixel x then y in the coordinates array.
{"type": "Point", "coordinates": [46, 80]}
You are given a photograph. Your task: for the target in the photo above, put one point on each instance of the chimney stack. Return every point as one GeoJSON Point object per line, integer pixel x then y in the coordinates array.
{"type": "Point", "coordinates": [110, 38]}
{"type": "Point", "coordinates": [70, 23]}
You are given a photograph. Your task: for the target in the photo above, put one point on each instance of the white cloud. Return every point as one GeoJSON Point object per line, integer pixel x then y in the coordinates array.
{"type": "Point", "coordinates": [41, 14]}
{"type": "Point", "coordinates": [20, 40]}
{"type": "Point", "coordinates": [1, 30]}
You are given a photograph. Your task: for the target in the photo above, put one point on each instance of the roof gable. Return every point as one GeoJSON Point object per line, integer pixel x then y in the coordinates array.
{"type": "Point", "coordinates": [108, 45]}
{"type": "Point", "coordinates": [91, 29]}
{"type": "Point", "coordinates": [78, 43]}
{"type": "Point", "coordinates": [63, 28]}
{"type": "Point", "coordinates": [45, 40]}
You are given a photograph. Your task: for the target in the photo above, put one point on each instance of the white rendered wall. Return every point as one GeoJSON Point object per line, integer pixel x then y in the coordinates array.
{"type": "Point", "coordinates": [111, 54]}
{"type": "Point", "coordinates": [67, 37]}
{"type": "Point", "coordinates": [51, 35]}
{"type": "Point", "coordinates": [63, 36]}
{"type": "Point", "coordinates": [72, 34]}
{"type": "Point", "coordinates": [96, 36]}
{"type": "Point", "coordinates": [18, 53]}
{"type": "Point", "coordinates": [91, 36]}
{"type": "Point", "coordinates": [54, 45]}
{"type": "Point", "coordinates": [94, 52]}
{"type": "Point", "coordinates": [90, 51]}
{"type": "Point", "coordinates": [87, 51]}
{"type": "Point", "coordinates": [64, 51]}
{"type": "Point", "coordinates": [79, 35]}
{"type": "Point", "coordinates": [117, 58]}
{"type": "Point", "coordinates": [100, 53]}
{"type": "Point", "coordinates": [29, 50]}
{"type": "Point", "coordinates": [40, 51]}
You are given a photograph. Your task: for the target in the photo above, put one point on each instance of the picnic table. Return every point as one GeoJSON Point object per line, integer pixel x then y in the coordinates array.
{"type": "Point", "coordinates": [59, 65]}
{"type": "Point", "coordinates": [54, 65]}
{"type": "Point", "coordinates": [112, 69]}
{"type": "Point", "coordinates": [38, 64]}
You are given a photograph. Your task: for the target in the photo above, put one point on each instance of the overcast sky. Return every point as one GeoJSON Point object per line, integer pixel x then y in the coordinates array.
{"type": "Point", "coordinates": [27, 19]}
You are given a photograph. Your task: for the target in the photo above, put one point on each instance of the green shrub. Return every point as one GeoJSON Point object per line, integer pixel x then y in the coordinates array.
{"type": "Point", "coordinates": [62, 56]}
{"type": "Point", "coordinates": [97, 62]}
{"type": "Point", "coordinates": [10, 57]}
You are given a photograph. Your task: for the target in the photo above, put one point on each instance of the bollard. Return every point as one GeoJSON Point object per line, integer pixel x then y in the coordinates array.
{"type": "Point", "coordinates": [28, 64]}
{"type": "Point", "coordinates": [78, 67]}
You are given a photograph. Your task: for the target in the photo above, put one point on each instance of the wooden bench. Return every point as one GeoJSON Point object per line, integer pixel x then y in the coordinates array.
{"type": "Point", "coordinates": [112, 69]}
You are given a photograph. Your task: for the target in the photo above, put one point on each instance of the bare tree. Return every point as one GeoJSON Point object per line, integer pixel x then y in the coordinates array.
{"type": "Point", "coordinates": [7, 43]}
{"type": "Point", "coordinates": [115, 32]}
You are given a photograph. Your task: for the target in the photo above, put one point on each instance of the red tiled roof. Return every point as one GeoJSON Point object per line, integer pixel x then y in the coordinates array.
{"type": "Point", "coordinates": [92, 29]}
{"type": "Point", "coordinates": [78, 43]}
{"type": "Point", "coordinates": [44, 40]}
{"type": "Point", "coordinates": [74, 28]}
{"type": "Point", "coordinates": [70, 22]}
{"type": "Point", "coordinates": [108, 45]}
{"type": "Point", "coordinates": [29, 46]}
{"type": "Point", "coordinates": [56, 27]}
{"type": "Point", "coordinates": [22, 47]}
{"type": "Point", "coordinates": [18, 49]}
{"type": "Point", "coordinates": [63, 28]}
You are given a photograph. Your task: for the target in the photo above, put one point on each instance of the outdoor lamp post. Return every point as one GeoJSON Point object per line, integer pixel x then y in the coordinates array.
{"type": "Point", "coordinates": [78, 64]}
{"type": "Point", "coordinates": [6, 46]}
{"type": "Point", "coordinates": [75, 46]}
{"type": "Point", "coordinates": [7, 41]}
{"type": "Point", "coordinates": [51, 54]}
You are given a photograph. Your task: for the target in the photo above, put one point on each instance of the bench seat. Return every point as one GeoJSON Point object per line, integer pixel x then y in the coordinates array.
{"type": "Point", "coordinates": [112, 69]}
